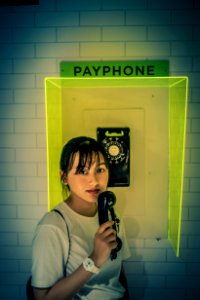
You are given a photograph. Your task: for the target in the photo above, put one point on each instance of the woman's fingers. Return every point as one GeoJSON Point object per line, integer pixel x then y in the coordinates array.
{"type": "Point", "coordinates": [105, 226]}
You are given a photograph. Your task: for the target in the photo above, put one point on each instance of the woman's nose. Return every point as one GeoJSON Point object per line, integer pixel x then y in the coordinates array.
{"type": "Point", "coordinates": [93, 178]}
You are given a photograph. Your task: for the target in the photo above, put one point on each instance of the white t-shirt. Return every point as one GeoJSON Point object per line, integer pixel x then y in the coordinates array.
{"type": "Point", "coordinates": [57, 251]}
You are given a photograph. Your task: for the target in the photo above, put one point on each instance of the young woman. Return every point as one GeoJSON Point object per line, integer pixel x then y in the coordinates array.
{"type": "Point", "coordinates": [71, 252]}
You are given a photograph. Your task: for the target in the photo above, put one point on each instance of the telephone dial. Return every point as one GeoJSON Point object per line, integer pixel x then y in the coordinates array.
{"type": "Point", "coordinates": [106, 201]}
{"type": "Point", "coordinates": [116, 144]}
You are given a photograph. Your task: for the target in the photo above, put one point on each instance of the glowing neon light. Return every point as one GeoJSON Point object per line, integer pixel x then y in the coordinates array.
{"type": "Point", "coordinates": [177, 100]}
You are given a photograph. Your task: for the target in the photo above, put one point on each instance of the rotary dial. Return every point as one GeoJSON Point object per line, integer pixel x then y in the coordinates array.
{"type": "Point", "coordinates": [115, 150]}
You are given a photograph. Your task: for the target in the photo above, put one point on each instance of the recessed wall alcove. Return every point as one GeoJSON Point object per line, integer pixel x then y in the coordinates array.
{"type": "Point", "coordinates": [154, 108]}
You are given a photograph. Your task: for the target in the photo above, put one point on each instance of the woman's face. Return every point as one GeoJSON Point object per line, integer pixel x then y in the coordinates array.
{"type": "Point", "coordinates": [87, 183]}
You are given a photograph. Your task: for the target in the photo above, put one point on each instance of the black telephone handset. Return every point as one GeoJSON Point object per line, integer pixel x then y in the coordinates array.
{"type": "Point", "coordinates": [106, 201]}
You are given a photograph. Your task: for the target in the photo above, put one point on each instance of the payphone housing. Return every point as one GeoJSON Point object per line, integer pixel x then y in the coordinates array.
{"type": "Point", "coordinates": [116, 142]}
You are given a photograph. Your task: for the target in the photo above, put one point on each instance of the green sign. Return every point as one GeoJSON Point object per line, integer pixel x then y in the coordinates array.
{"type": "Point", "coordinates": [135, 68]}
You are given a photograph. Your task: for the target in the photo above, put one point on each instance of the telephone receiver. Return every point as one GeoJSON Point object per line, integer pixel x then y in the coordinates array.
{"type": "Point", "coordinates": [106, 201]}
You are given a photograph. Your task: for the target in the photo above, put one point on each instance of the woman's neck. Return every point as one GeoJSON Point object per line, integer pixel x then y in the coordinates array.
{"type": "Point", "coordinates": [82, 207]}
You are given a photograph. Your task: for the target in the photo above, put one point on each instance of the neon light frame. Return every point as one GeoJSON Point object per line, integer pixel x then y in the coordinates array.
{"type": "Point", "coordinates": [178, 89]}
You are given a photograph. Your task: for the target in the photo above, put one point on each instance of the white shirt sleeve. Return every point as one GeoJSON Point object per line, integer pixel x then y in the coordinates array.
{"type": "Point", "coordinates": [49, 255]}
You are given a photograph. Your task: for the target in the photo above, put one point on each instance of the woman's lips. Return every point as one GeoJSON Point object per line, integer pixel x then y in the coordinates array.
{"type": "Point", "coordinates": [93, 191]}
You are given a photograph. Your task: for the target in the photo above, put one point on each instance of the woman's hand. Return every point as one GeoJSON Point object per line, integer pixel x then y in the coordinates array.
{"type": "Point", "coordinates": [104, 242]}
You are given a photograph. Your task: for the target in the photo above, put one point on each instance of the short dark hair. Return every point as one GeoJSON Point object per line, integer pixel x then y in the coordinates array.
{"type": "Point", "coordinates": [87, 147]}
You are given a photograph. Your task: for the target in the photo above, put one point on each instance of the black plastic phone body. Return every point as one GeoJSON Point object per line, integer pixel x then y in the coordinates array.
{"type": "Point", "coordinates": [116, 142]}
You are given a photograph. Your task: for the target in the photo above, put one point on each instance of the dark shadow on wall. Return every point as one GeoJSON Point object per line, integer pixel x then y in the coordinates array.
{"type": "Point", "coordinates": [18, 2]}
{"type": "Point", "coordinates": [135, 266]}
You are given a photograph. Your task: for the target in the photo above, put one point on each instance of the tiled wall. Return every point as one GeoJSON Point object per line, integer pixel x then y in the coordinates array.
{"type": "Point", "coordinates": [33, 40]}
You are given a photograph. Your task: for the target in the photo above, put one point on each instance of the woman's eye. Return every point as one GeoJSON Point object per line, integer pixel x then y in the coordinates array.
{"type": "Point", "coordinates": [101, 170]}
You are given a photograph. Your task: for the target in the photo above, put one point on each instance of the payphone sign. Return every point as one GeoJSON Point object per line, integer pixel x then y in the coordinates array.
{"type": "Point", "coordinates": [87, 69]}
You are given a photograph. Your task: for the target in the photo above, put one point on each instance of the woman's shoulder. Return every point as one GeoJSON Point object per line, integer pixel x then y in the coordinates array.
{"type": "Point", "coordinates": [53, 218]}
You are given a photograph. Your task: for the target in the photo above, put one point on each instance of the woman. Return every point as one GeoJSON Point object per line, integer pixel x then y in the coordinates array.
{"type": "Point", "coordinates": [70, 250]}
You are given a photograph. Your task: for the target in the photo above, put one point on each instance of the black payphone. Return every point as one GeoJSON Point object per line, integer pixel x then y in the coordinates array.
{"type": "Point", "coordinates": [116, 142]}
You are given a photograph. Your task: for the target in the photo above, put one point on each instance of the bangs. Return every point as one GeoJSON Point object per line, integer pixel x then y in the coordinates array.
{"type": "Point", "coordinates": [87, 155]}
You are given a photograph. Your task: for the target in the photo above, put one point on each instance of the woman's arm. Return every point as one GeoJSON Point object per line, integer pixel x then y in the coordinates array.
{"type": "Point", "coordinates": [66, 288]}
